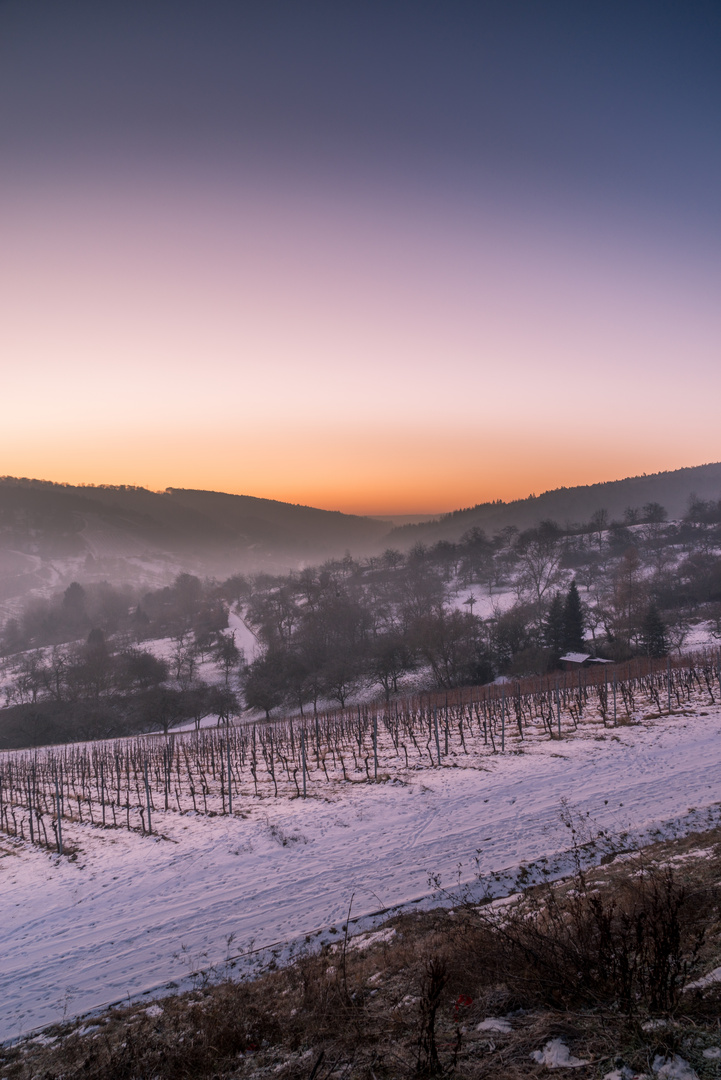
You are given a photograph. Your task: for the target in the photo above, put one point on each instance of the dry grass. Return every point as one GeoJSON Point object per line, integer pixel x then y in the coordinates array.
{"type": "Point", "coordinates": [410, 1006]}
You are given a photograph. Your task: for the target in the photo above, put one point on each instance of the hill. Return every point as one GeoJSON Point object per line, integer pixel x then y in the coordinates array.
{"type": "Point", "coordinates": [53, 533]}
{"type": "Point", "coordinates": [49, 531]}
{"type": "Point", "coordinates": [567, 505]}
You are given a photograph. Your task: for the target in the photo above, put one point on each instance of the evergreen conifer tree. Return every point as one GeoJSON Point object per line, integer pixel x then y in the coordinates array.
{"type": "Point", "coordinates": [653, 633]}
{"type": "Point", "coordinates": [554, 629]}
{"type": "Point", "coordinates": [573, 620]}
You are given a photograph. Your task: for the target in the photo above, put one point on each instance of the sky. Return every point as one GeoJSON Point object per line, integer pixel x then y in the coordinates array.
{"type": "Point", "coordinates": [382, 257]}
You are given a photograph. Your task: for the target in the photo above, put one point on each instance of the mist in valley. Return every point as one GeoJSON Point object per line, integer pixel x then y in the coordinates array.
{"type": "Point", "coordinates": [108, 632]}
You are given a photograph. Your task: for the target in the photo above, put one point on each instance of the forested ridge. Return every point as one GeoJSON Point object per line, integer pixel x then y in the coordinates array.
{"type": "Point", "coordinates": [111, 530]}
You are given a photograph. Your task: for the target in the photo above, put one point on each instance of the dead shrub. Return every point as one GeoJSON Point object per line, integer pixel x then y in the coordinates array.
{"type": "Point", "coordinates": [631, 947]}
{"type": "Point", "coordinates": [432, 987]}
{"type": "Point", "coordinates": [225, 1024]}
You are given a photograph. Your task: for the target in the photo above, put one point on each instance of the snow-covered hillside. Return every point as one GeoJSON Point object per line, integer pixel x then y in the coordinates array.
{"type": "Point", "coordinates": [133, 913]}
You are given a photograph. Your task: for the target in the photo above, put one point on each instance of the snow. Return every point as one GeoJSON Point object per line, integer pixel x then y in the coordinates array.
{"type": "Point", "coordinates": [365, 941]}
{"type": "Point", "coordinates": [707, 980]}
{"type": "Point", "coordinates": [495, 1023]}
{"type": "Point", "coordinates": [703, 635]}
{"type": "Point", "coordinates": [695, 853]}
{"type": "Point", "coordinates": [486, 605]}
{"type": "Point", "coordinates": [673, 1068]}
{"type": "Point", "coordinates": [713, 1053]}
{"type": "Point", "coordinates": [134, 914]}
{"type": "Point", "coordinates": [556, 1055]}
{"type": "Point", "coordinates": [245, 639]}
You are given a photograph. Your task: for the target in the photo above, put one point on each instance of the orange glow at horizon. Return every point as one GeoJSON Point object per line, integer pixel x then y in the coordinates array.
{"type": "Point", "coordinates": [353, 484]}
{"type": "Point", "coordinates": [385, 357]}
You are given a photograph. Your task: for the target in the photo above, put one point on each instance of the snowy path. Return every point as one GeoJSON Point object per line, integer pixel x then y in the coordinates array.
{"type": "Point", "coordinates": [132, 913]}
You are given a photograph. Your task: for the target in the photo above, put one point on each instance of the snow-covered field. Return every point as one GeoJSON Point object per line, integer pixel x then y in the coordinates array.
{"type": "Point", "coordinates": [135, 913]}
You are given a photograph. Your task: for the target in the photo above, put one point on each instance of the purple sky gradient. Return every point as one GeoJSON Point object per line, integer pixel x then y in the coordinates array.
{"type": "Point", "coordinates": [376, 257]}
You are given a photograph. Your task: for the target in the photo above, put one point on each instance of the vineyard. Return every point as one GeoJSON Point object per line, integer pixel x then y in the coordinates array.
{"type": "Point", "coordinates": [130, 783]}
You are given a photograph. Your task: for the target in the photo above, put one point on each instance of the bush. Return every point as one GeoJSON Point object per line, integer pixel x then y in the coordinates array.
{"type": "Point", "coordinates": [632, 947]}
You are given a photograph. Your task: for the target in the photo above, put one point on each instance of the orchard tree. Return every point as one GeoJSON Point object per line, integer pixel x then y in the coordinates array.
{"type": "Point", "coordinates": [540, 554]}
{"type": "Point", "coordinates": [223, 703]}
{"type": "Point", "coordinates": [228, 656]}
{"type": "Point", "coordinates": [264, 683]}
{"type": "Point", "coordinates": [628, 601]}
{"type": "Point", "coordinates": [599, 524]}
{"type": "Point", "coordinates": [390, 659]}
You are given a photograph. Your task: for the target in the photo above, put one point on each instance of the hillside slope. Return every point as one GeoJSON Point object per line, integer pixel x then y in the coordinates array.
{"type": "Point", "coordinates": [53, 533]}
{"type": "Point", "coordinates": [565, 505]}
{"type": "Point", "coordinates": [49, 531]}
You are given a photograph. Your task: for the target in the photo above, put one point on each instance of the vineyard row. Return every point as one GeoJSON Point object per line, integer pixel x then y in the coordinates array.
{"type": "Point", "coordinates": [126, 783]}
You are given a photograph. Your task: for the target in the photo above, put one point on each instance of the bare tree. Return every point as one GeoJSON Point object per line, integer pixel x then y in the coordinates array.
{"type": "Point", "coordinates": [539, 564]}
{"type": "Point", "coordinates": [228, 656]}
{"type": "Point", "coordinates": [599, 524]}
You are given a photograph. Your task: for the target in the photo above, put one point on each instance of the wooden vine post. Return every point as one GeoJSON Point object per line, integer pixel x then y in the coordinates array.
{"type": "Point", "coordinates": [147, 794]}
{"type": "Point", "coordinates": [438, 742]}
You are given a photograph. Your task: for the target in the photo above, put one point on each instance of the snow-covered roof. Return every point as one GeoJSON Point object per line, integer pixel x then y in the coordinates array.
{"type": "Point", "coordinates": [576, 657]}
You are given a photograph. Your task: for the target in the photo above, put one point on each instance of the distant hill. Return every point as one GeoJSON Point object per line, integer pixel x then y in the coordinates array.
{"type": "Point", "coordinates": [49, 532]}
{"type": "Point", "coordinates": [569, 505]}
{"type": "Point", "coordinates": [53, 533]}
